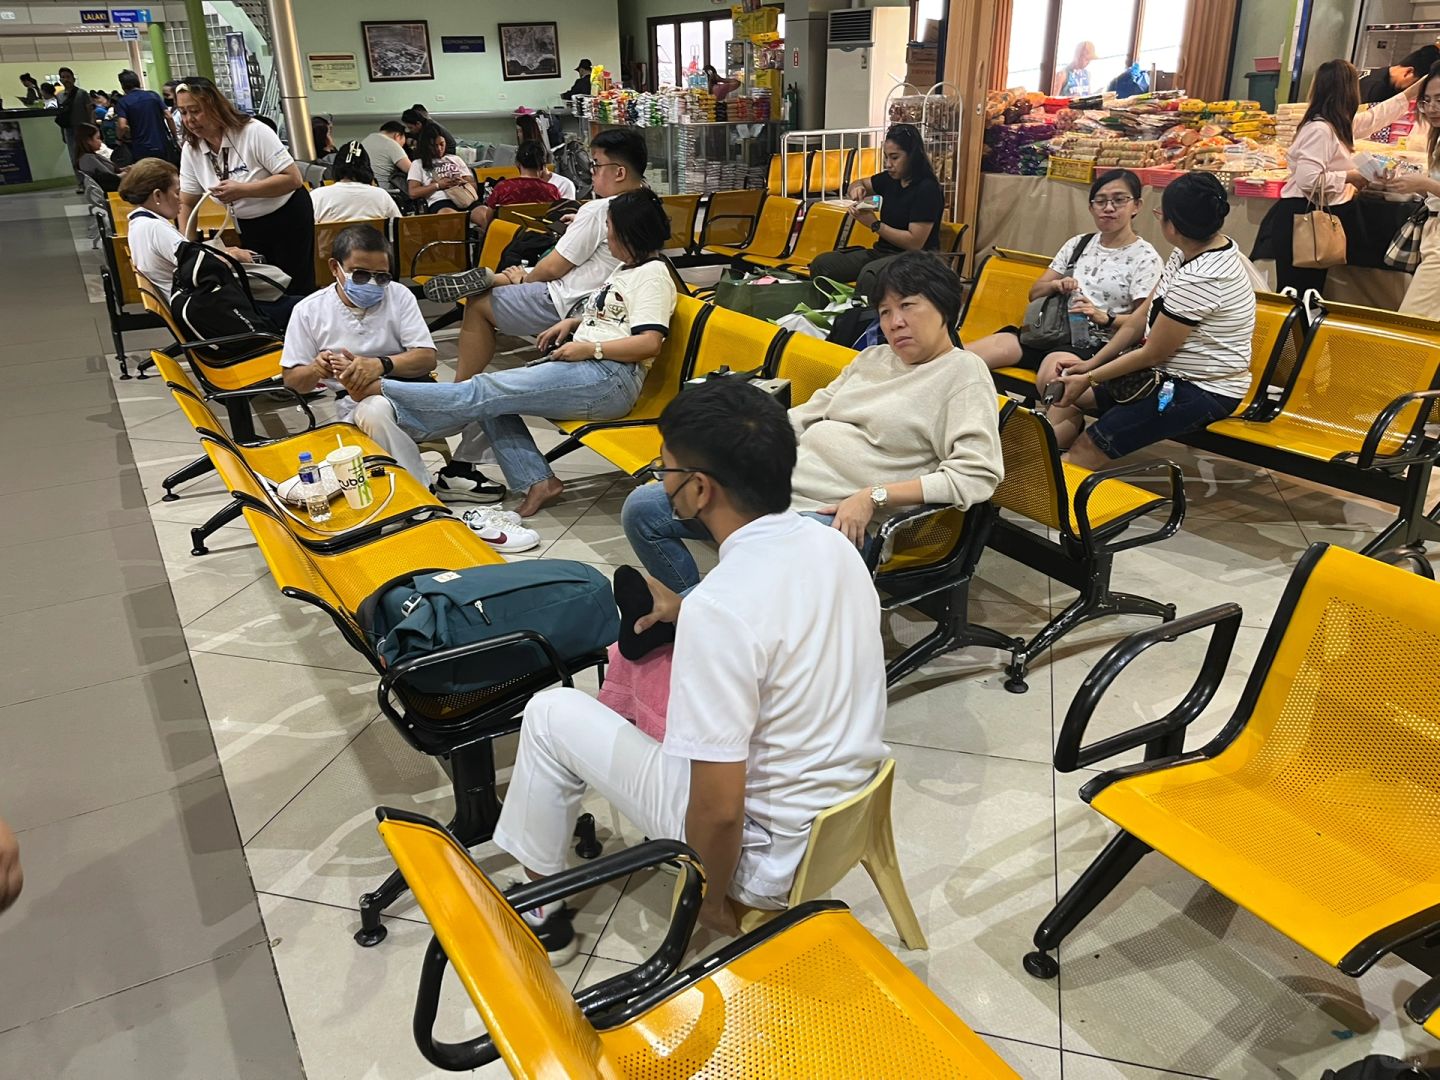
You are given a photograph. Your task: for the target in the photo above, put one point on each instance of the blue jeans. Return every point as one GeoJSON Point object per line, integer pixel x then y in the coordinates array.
{"type": "Point", "coordinates": [1123, 429]}
{"type": "Point", "coordinates": [659, 539]}
{"type": "Point", "coordinates": [582, 390]}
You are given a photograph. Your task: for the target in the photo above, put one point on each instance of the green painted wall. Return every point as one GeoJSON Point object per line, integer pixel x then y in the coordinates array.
{"type": "Point", "coordinates": [464, 82]}
{"type": "Point", "coordinates": [91, 74]}
{"type": "Point", "coordinates": [1264, 30]}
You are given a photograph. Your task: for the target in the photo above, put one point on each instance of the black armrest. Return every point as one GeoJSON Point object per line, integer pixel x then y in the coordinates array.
{"type": "Point", "coordinates": [1423, 1004]}
{"type": "Point", "coordinates": [262, 336]}
{"type": "Point", "coordinates": [478, 1051]}
{"type": "Point", "coordinates": [1156, 735]}
{"type": "Point", "coordinates": [252, 391]}
{"type": "Point", "coordinates": [1094, 480]}
{"type": "Point", "coordinates": [1370, 456]}
{"type": "Point", "coordinates": [415, 259]}
{"type": "Point", "coordinates": [894, 525]}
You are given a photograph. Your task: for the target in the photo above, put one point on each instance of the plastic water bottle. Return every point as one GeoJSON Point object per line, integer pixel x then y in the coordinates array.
{"type": "Point", "coordinates": [1166, 395]}
{"type": "Point", "coordinates": [1079, 330]}
{"type": "Point", "coordinates": [312, 487]}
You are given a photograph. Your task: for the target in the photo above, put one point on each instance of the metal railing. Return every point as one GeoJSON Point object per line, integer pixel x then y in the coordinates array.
{"type": "Point", "coordinates": [817, 150]}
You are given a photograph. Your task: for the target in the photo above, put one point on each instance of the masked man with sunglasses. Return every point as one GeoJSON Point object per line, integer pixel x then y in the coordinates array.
{"type": "Point", "coordinates": [777, 696]}
{"type": "Point", "coordinates": [364, 327]}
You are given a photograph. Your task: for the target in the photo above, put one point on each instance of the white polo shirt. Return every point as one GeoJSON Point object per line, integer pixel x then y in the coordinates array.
{"type": "Point", "coordinates": [153, 241]}
{"type": "Point", "coordinates": [252, 153]}
{"type": "Point", "coordinates": [586, 245]}
{"type": "Point", "coordinates": [323, 321]}
{"type": "Point", "coordinates": [778, 663]}
{"type": "Point", "coordinates": [347, 200]}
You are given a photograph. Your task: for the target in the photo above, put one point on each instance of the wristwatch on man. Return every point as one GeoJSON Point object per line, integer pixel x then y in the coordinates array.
{"type": "Point", "coordinates": [599, 350]}
{"type": "Point", "coordinates": [875, 226]}
{"type": "Point", "coordinates": [879, 496]}
{"type": "Point", "coordinates": [386, 365]}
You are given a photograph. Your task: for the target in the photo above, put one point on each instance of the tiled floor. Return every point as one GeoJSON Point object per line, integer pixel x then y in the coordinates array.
{"type": "Point", "coordinates": [176, 737]}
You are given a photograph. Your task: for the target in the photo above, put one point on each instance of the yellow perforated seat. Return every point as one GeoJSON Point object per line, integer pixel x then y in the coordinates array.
{"type": "Point", "coordinates": [1002, 290]}
{"type": "Point", "coordinates": [494, 172]}
{"type": "Point", "coordinates": [1432, 1026]}
{"type": "Point", "coordinates": [730, 217]}
{"type": "Point", "coordinates": [682, 212]}
{"type": "Point", "coordinates": [325, 233]}
{"type": "Point", "coordinates": [1088, 511]}
{"type": "Point", "coordinates": [1316, 808]}
{"type": "Point", "coordinates": [772, 232]}
{"type": "Point", "coordinates": [1339, 389]}
{"type": "Point", "coordinates": [825, 178]}
{"type": "Point", "coordinates": [819, 233]}
{"type": "Point", "coordinates": [810, 364]}
{"type": "Point", "coordinates": [787, 174]}
{"type": "Point", "coordinates": [813, 994]}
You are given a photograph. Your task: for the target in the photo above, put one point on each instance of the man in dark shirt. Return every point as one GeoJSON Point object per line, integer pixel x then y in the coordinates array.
{"type": "Point", "coordinates": [582, 84]}
{"type": "Point", "coordinates": [1380, 84]}
{"type": "Point", "coordinates": [416, 117]}
{"type": "Point", "coordinates": [141, 119]}
{"type": "Point", "coordinates": [74, 109]}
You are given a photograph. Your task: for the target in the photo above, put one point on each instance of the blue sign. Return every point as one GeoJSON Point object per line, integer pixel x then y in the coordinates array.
{"type": "Point", "coordinates": [95, 17]}
{"type": "Point", "coordinates": [462, 44]}
{"type": "Point", "coordinates": [128, 33]}
{"type": "Point", "coordinates": [130, 16]}
{"type": "Point", "coordinates": [14, 165]}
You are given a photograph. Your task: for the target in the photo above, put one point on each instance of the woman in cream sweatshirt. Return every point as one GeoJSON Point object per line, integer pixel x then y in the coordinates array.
{"type": "Point", "coordinates": [910, 422]}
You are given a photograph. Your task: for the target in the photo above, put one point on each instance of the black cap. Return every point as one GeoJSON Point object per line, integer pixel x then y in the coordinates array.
{"type": "Point", "coordinates": [584, 65]}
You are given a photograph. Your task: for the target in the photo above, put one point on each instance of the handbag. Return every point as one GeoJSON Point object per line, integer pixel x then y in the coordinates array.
{"type": "Point", "coordinates": [1136, 386]}
{"type": "Point", "coordinates": [767, 294]}
{"type": "Point", "coordinates": [463, 196]}
{"type": "Point", "coordinates": [1047, 320]}
{"type": "Point", "coordinates": [1317, 238]}
{"type": "Point", "coordinates": [270, 280]}
{"type": "Point", "coordinates": [1404, 250]}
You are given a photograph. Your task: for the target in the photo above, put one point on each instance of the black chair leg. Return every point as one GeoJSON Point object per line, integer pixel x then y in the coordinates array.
{"type": "Point", "coordinates": [1094, 602]}
{"type": "Point", "coordinates": [217, 521]}
{"type": "Point", "coordinates": [1100, 877]}
{"type": "Point", "coordinates": [372, 931]}
{"type": "Point", "coordinates": [242, 419]}
{"type": "Point", "coordinates": [570, 445]}
{"type": "Point", "coordinates": [199, 467]}
{"type": "Point", "coordinates": [953, 630]}
{"type": "Point", "coordinates": [143, 368]}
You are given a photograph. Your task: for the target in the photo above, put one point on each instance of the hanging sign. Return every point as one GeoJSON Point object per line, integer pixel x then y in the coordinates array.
{"type": "Point", "coordinates": [128, 33]}
{"type": "Point", "coordinates": [130, 16]}
{"type": "Point", "coordinates": [94, 17]}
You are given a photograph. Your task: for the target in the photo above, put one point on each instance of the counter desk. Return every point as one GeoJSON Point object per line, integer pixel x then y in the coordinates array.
{"type": "Point", "coordinates": [32, 153]}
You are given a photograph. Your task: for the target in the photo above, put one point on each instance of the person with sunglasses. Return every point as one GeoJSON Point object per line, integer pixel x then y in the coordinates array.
{"type": "Point", "coordinates": [1113, 274]}
{"type": "Point", "coordinates": [364, 327]}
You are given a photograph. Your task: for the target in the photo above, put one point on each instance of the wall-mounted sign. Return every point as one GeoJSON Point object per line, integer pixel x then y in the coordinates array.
{"type": "Point", "coordinates": [130, 16]}
{"type": "Point", "coordinates": [333, 71]}
{"type": "Point", "coordinates": [462, 44]}
{"type": "Point", "coordinates": [7, 16]}
{"type": "Point", "coordinates": [14, 165]}
{"type": "Point", "coordinates": [95, 16]}
{"type": "Point", "coordinates": [128, 33]}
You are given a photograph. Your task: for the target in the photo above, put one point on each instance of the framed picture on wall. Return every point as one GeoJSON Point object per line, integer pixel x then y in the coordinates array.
{"type": "Point", "coordinates": [396, 51]}
{"type": "Point", "coordinates": [529, 51]}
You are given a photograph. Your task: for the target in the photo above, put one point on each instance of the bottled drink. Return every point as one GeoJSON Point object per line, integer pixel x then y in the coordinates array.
{"type": "Point", "coordinates": [312, 487]}
{"type": "Point", "coordinates": [1079, 330]}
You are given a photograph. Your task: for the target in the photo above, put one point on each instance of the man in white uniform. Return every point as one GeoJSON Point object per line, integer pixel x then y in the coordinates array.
{"type": "Point", "coordinates": [777, 695]}
{"type": "Point", "coordinates": [361, 329]}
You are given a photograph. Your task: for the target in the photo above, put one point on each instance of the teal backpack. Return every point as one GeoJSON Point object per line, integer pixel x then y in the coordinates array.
{"type": "Point", "coordinates": [568, 603]}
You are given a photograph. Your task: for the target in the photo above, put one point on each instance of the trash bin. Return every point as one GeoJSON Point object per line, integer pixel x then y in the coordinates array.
{"type": "Point", "coordinates": [1263, 86]}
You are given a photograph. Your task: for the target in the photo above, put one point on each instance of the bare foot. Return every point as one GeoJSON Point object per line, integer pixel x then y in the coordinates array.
{"type": "Point", "coordinates": [539, 496]}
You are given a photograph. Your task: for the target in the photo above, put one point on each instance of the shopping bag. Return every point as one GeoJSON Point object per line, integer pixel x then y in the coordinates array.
{"type": "Point", "coordinates": [1404, 250]}
{"type": "Point", "coordinates": [1318, 238]}
{"type": "Point", "coordinates": [766, 295]}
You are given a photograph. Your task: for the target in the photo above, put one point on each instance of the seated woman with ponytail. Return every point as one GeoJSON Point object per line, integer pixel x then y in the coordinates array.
{"type": "Point", "coordinates": [1183, 361]}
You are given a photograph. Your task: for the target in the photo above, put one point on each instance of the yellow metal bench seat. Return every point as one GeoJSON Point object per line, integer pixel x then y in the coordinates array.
{"type": "Point", "coordinates": [1111, 502]}
{"type": "Point", "coordinates": [629, 449]}
{"type": "Point", "coordinates": [1303, 435]}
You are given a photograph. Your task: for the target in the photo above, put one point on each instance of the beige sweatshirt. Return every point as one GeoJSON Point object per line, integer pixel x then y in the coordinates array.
{"type": "Point", "coordinates": [882, 422]}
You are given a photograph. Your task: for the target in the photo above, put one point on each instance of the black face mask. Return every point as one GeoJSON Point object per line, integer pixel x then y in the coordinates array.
{"type": "Point", "coordinates": [675, 514]}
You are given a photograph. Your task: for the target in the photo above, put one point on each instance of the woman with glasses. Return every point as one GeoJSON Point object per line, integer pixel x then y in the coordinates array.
{"type": "Point", "coordinates": [1423, 296]}
{"type": "Point", "coordinates": [1183, 360]}
{"type": "Point", "coordinates": [1322, 168]}
{"type": "Point", "coordinates": [907, 218]}
{"type": "Point", "coordinates": [241, 163]}
{"type": "Point", "coordinates": [1114, 270]}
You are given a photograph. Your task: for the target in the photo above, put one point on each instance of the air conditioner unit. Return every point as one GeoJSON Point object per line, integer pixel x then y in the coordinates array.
{"type": "Point", "coordinates": [851, 28]}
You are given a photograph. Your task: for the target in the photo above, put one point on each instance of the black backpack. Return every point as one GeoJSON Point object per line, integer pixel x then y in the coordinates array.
{"type": "Point", "coordinates": [211, 298]}
{"type": "Point", "coordinates": [529, 246]}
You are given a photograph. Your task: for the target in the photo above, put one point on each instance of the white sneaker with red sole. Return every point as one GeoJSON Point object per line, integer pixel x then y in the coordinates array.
{"type": "Point", "coordinates": [501, 529]}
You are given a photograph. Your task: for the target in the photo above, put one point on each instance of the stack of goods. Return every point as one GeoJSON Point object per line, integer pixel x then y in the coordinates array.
{"type": "Point", "coordinates": [1001, 107]}
{"type": "Point", "coordinates": [1003, 145]}
{"type": "Point", "coordinates": [1034, 159]}
{"type": "Point", "coordinates": [1130, 154]}
{"type": "Point", "coordinates": [697, 107]}
{"type": "Point", "coordinates": [1287, 119]}
{"type": "Point", "coordinates": [1245, 120]}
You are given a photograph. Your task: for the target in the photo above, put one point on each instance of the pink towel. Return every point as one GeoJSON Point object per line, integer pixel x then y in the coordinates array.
{"type": "Point", "coordinates": [640, 690]}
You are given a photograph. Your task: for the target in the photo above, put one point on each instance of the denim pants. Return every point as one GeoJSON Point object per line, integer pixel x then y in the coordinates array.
{"type": "Point", "coordinates": [659, 539]}
{"type": "Point", "coordinates": [498, 401]}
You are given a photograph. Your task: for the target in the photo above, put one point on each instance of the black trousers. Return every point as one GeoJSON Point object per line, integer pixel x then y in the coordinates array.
{"type": "Point", "coordinates": [286, 238]}
{"type": "Point", "coordinates": [852, 264]}
{"type": "Point", "coordinates": [1276, 239]}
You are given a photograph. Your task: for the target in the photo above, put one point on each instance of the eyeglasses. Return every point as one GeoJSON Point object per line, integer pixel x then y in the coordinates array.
{"type": "Point", "coordinates": [365, 277]}
{"type": "Point", "coordinates": [1103, 202]}
{"type": "Point", "coordinates": [596, 166]}
{"type": "Point", "coordinates": [1430, 103]}
{"type": "Point", "coordinates": [659, 469]}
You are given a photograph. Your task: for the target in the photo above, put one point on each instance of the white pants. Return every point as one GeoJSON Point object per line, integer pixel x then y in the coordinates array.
{"type": "Point", "coordinates": [1423, 296]}
{"type": "Point", "coordinates": [376, 417]}
{"type": "Point", "coordinates": [570, 742]}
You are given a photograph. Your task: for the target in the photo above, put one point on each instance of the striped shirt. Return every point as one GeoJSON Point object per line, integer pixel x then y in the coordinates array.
{"type": "Point", "coordinates": [1211, 294]}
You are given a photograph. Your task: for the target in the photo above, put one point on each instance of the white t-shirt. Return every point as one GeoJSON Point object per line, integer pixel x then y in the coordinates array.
{"type": "Point", "coordinates": [634, 300]}
{"type": "Point", "coordinates": [563, 184]}
{"type": "Point", "coordinates": [586, 245]}
{"type": "Point", "coordinates": [153, 241]}
{"type": "Point", "coordinates": [778, 663]}
{"type": "Point", "coordinates": [1115, 279]}
{"type": "Point", "coordinates": [454, 167]}
{"type": "Point", "coordinates": [346, 200]}
{"type": "Point", "coordinates": [323, 321]}
{"type": "Point", "coordinates": [252, 153]}
{"type": "Point", "coordinates": [1211, 293]}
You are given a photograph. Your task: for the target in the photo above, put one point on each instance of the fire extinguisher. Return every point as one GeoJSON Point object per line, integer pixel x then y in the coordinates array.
{"type": "Point", "coordinates": [792, 106]}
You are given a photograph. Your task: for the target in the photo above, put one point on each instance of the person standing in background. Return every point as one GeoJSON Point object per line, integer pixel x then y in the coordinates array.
{"type": "Point", "coordinates": [142, 120]}
{"type": "Point", "coordinates": [48, 100]}
{"type": "Point", "coordinates": [1073, 80]}
{"type": "Point", "coordinates": [1381, 84]}
{"type": "Point", "coordinates": [73, 110]}
{"type": "Point", "coordinates": [32, 90]}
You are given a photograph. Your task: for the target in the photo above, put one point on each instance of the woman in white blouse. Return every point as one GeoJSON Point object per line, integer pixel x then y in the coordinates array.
{"type": "Point", "coordinates": [1322, 166]}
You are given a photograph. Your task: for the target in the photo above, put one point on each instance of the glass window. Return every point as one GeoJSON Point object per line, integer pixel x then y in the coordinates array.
{"type": "Point", "coordinates": [1027, 43]}
{"type": "Point", "coordinates": [1160, 32]}
{"type": "Point", "coordinates": [692, 49]}
{"type": "Point", "coordinates": [720, 31]}
{"type": "Point", "coordinates": [1107, 30]}
{"type": "Point", "coordinates": [665, 70]}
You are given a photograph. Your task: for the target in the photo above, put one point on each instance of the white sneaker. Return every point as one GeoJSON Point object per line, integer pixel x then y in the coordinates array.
{"type": "Point", "coordinates": [501, 529]}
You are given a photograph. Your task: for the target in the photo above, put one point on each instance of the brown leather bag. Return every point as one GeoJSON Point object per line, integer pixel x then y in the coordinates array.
{"type": "Point", "coordinates": [1318, 238]}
